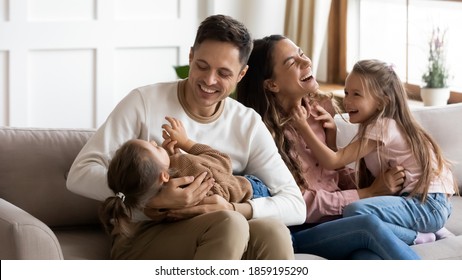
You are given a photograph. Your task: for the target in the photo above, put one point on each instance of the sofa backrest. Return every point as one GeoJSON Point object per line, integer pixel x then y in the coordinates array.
{"type": "Point", "coordinates": [33, 167]}
{"type": "Point", "coordinates": [443, 123]}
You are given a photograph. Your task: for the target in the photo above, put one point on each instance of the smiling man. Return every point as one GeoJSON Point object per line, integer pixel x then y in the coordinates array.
{"type": "Point", "coordinates": [207, 227]}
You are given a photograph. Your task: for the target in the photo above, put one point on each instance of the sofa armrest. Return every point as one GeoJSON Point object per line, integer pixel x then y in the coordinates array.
{"type": "Point", "coordinates": [23, 236]}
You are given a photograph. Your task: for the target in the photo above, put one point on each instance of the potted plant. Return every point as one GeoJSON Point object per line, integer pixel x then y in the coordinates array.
{"type": "Point", "coordinates": [435, 91]}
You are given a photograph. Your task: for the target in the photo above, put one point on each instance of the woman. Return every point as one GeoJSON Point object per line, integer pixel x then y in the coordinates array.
{"type": "Point", "coordinates": [278, 79]}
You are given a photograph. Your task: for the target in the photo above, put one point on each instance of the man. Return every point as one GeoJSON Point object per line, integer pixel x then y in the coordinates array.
{"type": "Point", "coordinates": [203, 230]}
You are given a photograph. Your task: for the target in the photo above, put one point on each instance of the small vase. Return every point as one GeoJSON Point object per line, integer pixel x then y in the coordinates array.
{"type": "Point", "coordinates": [435, 96]}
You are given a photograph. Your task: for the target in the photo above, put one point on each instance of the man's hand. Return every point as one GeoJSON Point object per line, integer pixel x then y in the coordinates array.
{"type": "Point", "coordinates": [181, 192]}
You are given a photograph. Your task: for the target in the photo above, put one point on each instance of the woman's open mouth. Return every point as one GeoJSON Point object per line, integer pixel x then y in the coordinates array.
{"type": "Point", "coordinates": [307, 77]}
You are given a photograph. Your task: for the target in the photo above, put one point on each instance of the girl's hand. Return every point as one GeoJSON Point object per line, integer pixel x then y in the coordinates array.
{"type": "Point", "coordinates": [169, 144]}
{"type": "Point", "coordinates": [326, 118]}
{"type": "Point", "coordinates": [299, 115]}
{"type": "Point", "coordinates": [175, 131]}
{"type": "Point", "coordinates": [208, 204]}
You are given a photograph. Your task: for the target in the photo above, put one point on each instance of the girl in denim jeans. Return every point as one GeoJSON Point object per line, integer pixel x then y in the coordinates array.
{"type": "Point", "coordinates": [389, 136]}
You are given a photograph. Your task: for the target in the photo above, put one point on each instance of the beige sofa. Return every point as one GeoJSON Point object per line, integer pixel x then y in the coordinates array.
{"type": "Point", "coordinates": [41, 219]}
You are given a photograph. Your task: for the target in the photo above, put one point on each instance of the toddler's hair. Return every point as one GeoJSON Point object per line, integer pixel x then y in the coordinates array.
{"type": "Point", "coordinates": [135, 174]}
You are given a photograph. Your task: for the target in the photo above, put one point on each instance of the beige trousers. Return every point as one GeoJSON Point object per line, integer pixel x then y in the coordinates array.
{"type": "Point", "coordinates": [221, 235]}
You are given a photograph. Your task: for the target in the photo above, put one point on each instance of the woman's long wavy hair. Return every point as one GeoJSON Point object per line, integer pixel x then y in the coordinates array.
{"type": "Point", "coordinates": [381, 81]}
{"type": "Point", "coordinates": [251, 92]}
{"type": "Point", "coordinates": [133, 172]}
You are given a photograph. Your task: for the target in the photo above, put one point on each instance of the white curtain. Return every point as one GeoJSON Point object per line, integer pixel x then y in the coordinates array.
{"type": "Point", "coordinates": [306, 24]}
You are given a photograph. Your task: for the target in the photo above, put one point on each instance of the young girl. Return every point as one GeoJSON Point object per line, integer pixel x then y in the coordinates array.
{"type": "Point", "coordinates": [389, 136]}
{"type": "Point", "coordinates": [140, 168]}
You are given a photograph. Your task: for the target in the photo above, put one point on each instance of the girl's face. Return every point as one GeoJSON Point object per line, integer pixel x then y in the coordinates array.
{"type": "Point", "coordinates": [158, 152]}
{"type": "Point", "coordinates": [292, 73]}
{"type": "Point", "coordinates": [359, 104]}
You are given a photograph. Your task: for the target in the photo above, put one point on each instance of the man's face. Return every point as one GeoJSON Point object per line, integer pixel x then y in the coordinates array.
{"type": "Point", "coordinates": [214, 73]}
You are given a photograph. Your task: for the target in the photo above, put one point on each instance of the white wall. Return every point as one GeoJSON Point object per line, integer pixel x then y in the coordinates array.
{"type": "Point", "coordinates": [66, 63]}
{"type": "Point", "coordinates": [262, 17]}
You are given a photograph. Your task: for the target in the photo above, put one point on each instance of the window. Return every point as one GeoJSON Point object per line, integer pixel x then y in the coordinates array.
{"type": "Point", "coordinates": [398, 31]}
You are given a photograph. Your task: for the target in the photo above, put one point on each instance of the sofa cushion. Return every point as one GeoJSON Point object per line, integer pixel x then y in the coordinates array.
{"type": "Point", "coordinates": [33, 172]}
{"type": "Point", "coordinates": [454, 223]}
{"type": "Point", "coordinates": [24, 236]}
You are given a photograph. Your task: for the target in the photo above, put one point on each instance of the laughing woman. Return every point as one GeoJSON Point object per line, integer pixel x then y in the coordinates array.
{"type": "Point", "coordinates": [278, 79]}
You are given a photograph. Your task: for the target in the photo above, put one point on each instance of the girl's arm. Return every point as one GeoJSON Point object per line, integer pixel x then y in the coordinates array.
{"type": "Point", "coordinates": [175, 134]}
{"type": "Point", "coordinates": [329, 126]}
{"type": "Point", "coordinates": [327, 158]}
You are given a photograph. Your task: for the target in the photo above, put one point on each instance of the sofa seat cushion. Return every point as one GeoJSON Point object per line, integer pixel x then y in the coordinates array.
{"type": "Point", "coordinates": [444, 249]}
{"type": "Point", "coordinates": [451, 247]}
{"type": "Point", "coordinates": [84, 243]}
{"type": "Point", "coordinates": [454, 223]}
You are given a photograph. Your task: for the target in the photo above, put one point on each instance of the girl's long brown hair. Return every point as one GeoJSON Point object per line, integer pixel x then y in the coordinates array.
{"type": "Point", "coordinates": [381, 81]}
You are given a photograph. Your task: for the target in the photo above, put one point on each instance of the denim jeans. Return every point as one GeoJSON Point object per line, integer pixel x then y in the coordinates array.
{"type": "Point", "coordinates": [405, 216]}
{"type": "Point", "coordinates": [362, 237]}
{"type": "Point", "coordinates": [258, 187]}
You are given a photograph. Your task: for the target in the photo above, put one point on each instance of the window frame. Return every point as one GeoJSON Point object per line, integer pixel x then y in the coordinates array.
{"type": "Point", "coordinates": [351, 13]}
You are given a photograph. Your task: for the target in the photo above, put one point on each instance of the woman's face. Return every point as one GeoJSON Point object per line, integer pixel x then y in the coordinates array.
{"type": "Point", "coordinates": [292, 73]}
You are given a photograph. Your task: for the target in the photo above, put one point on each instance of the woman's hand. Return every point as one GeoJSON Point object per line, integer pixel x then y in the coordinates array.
{"type": "Point", "coordinates": [208, 204]}
{"type": "Point", "coordinates": [182, 192]}
{"type": "Point", "coordinates": [390, 183]}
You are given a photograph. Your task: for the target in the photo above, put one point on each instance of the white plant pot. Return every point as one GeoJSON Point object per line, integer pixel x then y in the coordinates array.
{"type": "Point", "coordinates": [435, 96]}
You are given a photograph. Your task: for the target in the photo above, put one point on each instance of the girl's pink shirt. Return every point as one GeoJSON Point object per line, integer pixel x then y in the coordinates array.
{"type": "Point", "coordinates": [396, 151]}
{"type": "Point", "coordinates": [327, 191]}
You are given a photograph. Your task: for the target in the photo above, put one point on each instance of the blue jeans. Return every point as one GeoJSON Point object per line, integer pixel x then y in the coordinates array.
{"type": "Point", "coordinates": [405, 216]}
{"type": "Point", "coordinates": [258, 187]}
{"type": "Point", "coordinates": [362, 237]}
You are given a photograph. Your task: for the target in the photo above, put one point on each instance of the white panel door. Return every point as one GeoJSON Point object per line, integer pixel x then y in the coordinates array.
{"type": "Point", "coordinates": [66, 63]}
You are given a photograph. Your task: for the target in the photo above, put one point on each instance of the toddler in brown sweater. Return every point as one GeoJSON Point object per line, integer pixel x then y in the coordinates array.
{"type": "Point", "coordinates": [140, 168]}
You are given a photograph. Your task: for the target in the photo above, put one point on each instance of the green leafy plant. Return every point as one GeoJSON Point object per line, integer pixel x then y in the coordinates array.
{"type": "Point", "coordinates": [437, 74]}
{"type": "Point", "coordinates": [182, 71]}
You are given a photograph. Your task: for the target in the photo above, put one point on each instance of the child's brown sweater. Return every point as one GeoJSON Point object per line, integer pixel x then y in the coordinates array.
{"type": "Point", "coordinates": [218, 165]}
